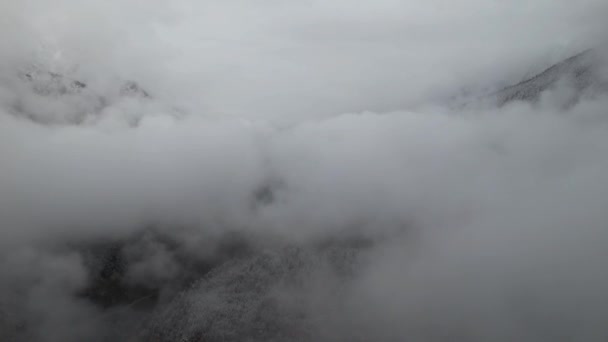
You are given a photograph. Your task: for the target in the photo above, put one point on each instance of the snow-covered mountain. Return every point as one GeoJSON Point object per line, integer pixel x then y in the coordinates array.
{"type": "Point", "coordinates": [581, 72]}
{"type": "Point", "coordinates": [249, 287]}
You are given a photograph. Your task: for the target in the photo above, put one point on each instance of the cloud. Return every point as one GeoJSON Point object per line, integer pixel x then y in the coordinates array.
{"type": "Point", "coordinates": [257, 60]}
{"type": "Point", "coordinates": [299, 122]}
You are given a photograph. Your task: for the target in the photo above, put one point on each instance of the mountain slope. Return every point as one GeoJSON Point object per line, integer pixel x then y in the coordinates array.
{"type": "Point", "coordinates": [582, 72]}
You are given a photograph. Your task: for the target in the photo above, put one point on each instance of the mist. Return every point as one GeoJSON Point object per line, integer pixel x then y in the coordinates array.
{"type": "Point", "coordinates": [311, 155]}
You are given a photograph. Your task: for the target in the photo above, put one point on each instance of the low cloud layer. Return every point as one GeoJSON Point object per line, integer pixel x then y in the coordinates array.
{"type": "Point", "coordinates": [248, 127]}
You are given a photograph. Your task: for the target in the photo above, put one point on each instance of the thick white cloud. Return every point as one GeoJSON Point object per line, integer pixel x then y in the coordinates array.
{"type": "Point", "coordinates": [333, 105]}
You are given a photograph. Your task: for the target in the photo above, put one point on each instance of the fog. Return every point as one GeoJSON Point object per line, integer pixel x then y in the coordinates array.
{"type": "Point", "coordinates": [289, 123]}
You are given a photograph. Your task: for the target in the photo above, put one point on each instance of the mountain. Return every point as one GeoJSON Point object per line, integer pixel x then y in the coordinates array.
{"type": "Point", "coordinates": [580, 76]}
{"type": "Point", "coordinates": [237, 292]}
{"type": "Point", "coordinates": [582, 72]}
{"type": "Point", "coordinates": [241, 300]}
{"type": "Point", "coordinates": [51, 98]}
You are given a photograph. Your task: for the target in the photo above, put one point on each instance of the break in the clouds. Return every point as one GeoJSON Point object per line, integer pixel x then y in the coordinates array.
{"type": "Point", "coordinates": [303, 171]}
